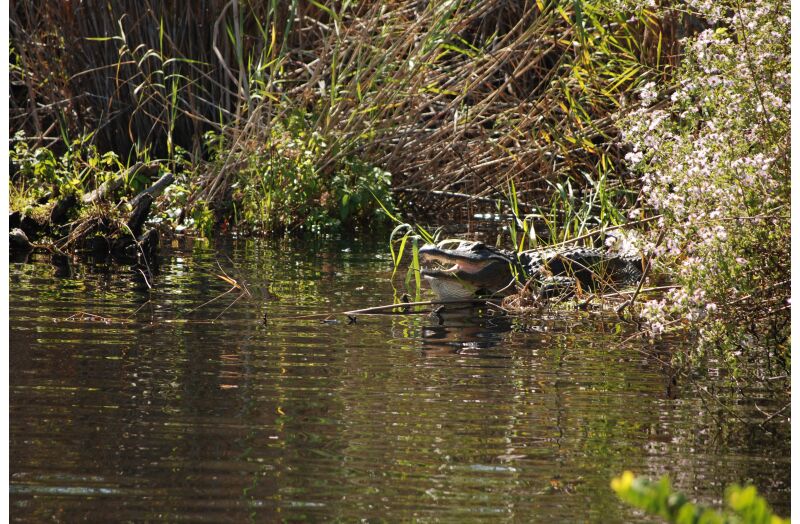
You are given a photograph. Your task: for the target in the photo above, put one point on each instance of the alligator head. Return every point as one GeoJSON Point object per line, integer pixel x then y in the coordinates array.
{"type": "Point", "coordinates": [461, 270]}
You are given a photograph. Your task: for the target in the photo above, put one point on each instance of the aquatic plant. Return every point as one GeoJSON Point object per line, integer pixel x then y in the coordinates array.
{"type": "Point", "coordinates": [713, 151]}
{"type": "Point", "coordinates": [744, 505]}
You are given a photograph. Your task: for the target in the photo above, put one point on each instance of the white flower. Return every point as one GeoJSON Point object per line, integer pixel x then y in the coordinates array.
{"type": "Point", "coordinates": [634, 157]}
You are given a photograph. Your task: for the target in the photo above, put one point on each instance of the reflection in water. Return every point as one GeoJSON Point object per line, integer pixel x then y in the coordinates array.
{"type": "Point", "coordinates": [176, 407]}
{"type": "Point", "coordinates": [463, 330]}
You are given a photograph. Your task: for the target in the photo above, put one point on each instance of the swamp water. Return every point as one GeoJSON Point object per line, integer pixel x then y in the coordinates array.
{"type": "Point", "coordinates": [184, 408]}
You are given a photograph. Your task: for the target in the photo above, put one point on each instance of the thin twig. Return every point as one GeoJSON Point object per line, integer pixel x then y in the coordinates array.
{"type": "Point", "coordinates": [646, 270]}
{"type": "Point", "coordinates": [645, 290]}
{"type": "Point", "coordinates": [770, 417]}
{"type": "Point", "coordinates": [376, 310]}
{"type": "Point", "coordinates": [241, 295]}
{"type": "Point", "coordinates": [145, 278]}
{"type": "Point", "coordinates": [212, 300]}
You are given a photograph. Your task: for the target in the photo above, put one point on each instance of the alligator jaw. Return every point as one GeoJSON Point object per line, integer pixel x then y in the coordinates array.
{"type": "Point", "coordinates": [448, 283]}
{"type": "Point", "coordinates": [466, 262]}
{"type": "Point", "coordinates": [451, 288]}
{"type": "Point", "coordinates": [466, 271]}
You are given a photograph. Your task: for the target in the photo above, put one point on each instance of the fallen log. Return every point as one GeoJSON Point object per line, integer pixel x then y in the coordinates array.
{"type": "Point", "coordinates": [156, 189]}
{"type": "Point", "coordinates": [18, 240]}
{"type": "Point", "coordinates": [141, 203]}
{"type": "Point", "coordinates": [58, 215]}
{"type": "Point", "coordinates": [31, 227]}
{"type": "Point", "coordinates": [108, 187]}
{"type": "Point", "coordinates": [139, 214]}
{"type": "Point", "coordinates": [102, 233]}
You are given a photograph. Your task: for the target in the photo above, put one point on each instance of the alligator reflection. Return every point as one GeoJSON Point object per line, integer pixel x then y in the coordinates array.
{"type": "Point", "coordinates": [463, 331]}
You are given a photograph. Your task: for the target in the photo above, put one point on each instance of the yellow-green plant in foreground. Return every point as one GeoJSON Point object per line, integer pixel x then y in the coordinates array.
{"type": "Point", "coordinates": [744, 505]}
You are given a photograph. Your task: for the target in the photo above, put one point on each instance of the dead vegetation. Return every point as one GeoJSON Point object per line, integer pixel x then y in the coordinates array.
{"type": "Point", "coordinates": [455, 99]}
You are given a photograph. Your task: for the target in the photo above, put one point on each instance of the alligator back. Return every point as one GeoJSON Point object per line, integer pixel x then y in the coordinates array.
{"type": "Point", "coordinates": [593, 268]}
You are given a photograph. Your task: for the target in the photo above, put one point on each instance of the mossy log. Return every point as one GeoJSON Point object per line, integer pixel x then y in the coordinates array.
{"type": "Point", "coordinates": [103, 235]}
{"type": "Point", "coordinates": [107, 188]}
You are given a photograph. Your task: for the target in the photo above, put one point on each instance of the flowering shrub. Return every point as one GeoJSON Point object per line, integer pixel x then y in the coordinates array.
{"type": "Point", "coordinates": [714, 154]}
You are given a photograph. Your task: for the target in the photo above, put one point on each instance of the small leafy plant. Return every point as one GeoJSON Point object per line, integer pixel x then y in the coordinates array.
{"type": "Point", "coordinates": [280, 187]}
{"type": "Point", "coordinates": [39, 170]}
{"type": "Point", "coordinates": [744, 505]}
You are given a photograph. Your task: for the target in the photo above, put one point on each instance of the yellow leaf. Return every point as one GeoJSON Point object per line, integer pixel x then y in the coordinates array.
{"type": "Point", "coordinates": [623, 482]}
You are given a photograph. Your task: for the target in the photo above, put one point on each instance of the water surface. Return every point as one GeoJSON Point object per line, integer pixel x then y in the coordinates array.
{"type": "Point", "coordinates": [171, 407]}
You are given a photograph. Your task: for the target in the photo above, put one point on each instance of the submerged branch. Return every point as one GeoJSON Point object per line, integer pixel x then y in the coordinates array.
{"type": "Point", "coordinates": [406, 305]}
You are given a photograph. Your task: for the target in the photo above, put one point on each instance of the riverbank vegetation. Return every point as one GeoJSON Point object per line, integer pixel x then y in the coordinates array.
{"type": "Point", "coordinates": [713, 151]}
{"type": "Point", "coordinates": [564, 117]}
{"type": "Point", "coordinates": [453, 99]}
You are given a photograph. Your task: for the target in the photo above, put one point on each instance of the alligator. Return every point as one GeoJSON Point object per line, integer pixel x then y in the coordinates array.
{"type": "Point", "coordinates": [463, 270]}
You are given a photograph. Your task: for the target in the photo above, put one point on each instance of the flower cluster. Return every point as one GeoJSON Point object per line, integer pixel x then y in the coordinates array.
{"type": "Point", "coordinates": [714, 161]}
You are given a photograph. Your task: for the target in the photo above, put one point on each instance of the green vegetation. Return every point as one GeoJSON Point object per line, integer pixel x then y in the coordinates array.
{"type": "Point", "coordinates": [565, 117]}
{"type": "Point", "coordinates": [744, 505]}
{"type": "Point", "coordinates": [276, 185]}
{"type": "Point", "coordinates": [40, 171]}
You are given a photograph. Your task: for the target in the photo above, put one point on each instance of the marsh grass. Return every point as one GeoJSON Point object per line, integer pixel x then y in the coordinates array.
{"type": "Point", "coordinates": [461, 97]}
{"type": "Point", "coordinates": [450, 98]}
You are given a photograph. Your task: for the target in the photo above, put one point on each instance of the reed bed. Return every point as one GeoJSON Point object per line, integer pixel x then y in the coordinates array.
{"type": "Point", "coordinates": [459, 99]}
{"type": "Point", "coordinates": [455, 99]}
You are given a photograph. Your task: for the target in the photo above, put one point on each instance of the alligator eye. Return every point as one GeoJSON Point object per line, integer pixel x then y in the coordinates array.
{"type": "Point", "coordinates": [477, 246]}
